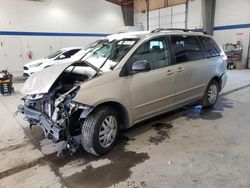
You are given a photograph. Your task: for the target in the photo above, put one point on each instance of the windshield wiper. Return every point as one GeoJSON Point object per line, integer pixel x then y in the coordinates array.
{"type": "Point", "coordinates": [91, 50]}
{"type": "Point", "coordinates": [116, 50]}
{"type": "Point", "coordinates": [92, 66]}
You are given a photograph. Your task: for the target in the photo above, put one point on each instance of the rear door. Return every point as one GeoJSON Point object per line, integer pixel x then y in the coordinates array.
{"type": "Point", "coordinates": [152, 92]}
{"type": "Point", "coordinates": [214, 57]}
{"type": "Point", "coordinates": [191, 73]}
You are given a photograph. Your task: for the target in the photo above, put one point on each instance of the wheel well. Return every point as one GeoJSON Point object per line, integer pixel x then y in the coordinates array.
{"type": "Point", "coordinates": [122, 113]}
{"type": "Point", "coordinates": [218, 80]}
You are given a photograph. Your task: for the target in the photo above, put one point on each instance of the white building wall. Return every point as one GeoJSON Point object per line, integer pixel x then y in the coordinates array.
{"type": "Point", "coordinates": [231, 13]}
{"type": "Point", "coordinates": [59, 16]}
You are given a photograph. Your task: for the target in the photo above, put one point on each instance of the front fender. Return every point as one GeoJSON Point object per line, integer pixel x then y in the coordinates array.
{"type": "Point", "coordinates": [113, 91]}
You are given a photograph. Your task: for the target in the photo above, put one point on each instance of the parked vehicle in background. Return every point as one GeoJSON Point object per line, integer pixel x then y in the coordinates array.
{"type": "Point", "coordinates": [55, 58]}
{"type": "Point", "coordinates": [128, 79]}
{"type": "Point", "coordinates": [80, 54]}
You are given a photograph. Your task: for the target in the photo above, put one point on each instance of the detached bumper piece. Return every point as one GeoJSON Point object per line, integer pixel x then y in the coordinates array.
{"type": "Point", "coordinates": [29, 113]}
{"type": "Point", "coordinates": [51, 130]}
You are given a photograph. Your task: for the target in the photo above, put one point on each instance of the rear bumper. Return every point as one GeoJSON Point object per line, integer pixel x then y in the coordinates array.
{"type": "Point", "coordinates": [223, 80]}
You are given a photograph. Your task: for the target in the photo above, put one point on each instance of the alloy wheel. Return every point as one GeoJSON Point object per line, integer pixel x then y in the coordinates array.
{"type": "Point", "coordinates": [212, 93]}
{"type": "Point", "coordinates": [108, 131]}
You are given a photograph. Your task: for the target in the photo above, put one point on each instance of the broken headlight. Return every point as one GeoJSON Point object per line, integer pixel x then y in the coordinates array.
{"type": "Point", "coordinates": [34, 97]}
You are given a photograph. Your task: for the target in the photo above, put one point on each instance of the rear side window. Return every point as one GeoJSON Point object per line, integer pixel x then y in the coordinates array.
{"type": "Point", "coordinates": [186, 48]}
{"type": "Point", "coordinates": [155, 51]}
{"type": "Point", "coordinates": [211, 48]}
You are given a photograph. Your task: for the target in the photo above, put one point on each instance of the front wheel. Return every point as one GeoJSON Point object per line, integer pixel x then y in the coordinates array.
{"type": "Point", "coordinates": [100, 130]}
{"type": "Point", "coordinates": [211, 94]}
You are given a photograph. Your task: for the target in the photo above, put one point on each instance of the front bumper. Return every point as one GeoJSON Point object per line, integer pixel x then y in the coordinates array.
{"type": "Point", "coordinates": [28, 72]}
{"type": "Point", "coordinates": [51, 129]}
{"type": "Point", "coordinates": [30, 113]}
{"type": "Point", "coordinates": [26, 75]}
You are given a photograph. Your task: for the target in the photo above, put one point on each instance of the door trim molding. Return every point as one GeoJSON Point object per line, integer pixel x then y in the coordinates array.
{"type": "Point", "coordinates": [190, 89]}
{"type": "Point", "coordinates": [154, 101]}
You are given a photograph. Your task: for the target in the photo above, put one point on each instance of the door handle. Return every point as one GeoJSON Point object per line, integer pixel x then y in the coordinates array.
{"type": "Point", "coordinates": [169, 72]}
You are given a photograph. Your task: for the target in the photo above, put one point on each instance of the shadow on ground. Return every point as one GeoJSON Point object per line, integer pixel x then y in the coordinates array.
{"type": "Point", "coordinates": [104, 176]}
{"type": "Point", "coordinates": [122, 160]}
{"type": "Point", "coordinates": [196, 111]}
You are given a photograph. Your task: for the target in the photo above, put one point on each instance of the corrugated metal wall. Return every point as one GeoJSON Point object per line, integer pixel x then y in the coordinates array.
{"type": "Point", "coordinates": [174, 16]}
{"type": "Point", "coordinates": [168, 17]}
{"type": "Point", "coordinates": [231, 23]}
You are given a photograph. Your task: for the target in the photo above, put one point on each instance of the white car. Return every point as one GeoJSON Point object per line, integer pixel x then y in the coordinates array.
{"type": "Point", "coordinates": [82, 53]}
{"type": "Point", "coordinates": [77, 56]}
{"type": "Point", "coordinates": [59, 56]}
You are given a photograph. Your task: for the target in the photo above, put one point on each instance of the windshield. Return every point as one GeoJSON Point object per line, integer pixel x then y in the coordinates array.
{"type": "Point", "coordinates": [107, 55]}
{"type": "Point", "coordinates": [54, 54]}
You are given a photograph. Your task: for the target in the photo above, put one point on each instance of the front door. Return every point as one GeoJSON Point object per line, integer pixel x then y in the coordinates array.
{"type": "Point", "coordinates": [152, 92]}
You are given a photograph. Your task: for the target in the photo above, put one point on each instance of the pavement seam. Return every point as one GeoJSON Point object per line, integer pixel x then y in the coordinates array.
{"type": "Point", "coordinates": [22, 167]}
{"type": "Point", "coordinates": [15, 146]}
{"type": "Point", "coordinates": [234, 90]}
{"type": "Point", "coordinates": [33, 142]}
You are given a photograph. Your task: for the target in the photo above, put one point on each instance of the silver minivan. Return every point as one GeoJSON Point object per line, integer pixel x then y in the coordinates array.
{"type": "Point", "coordinates": [127, 79]}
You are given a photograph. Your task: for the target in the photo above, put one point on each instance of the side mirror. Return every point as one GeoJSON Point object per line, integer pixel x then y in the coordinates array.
{"type": "Point", "coordinates": [62, 56]}
{"type": "Point", "coordinates": [140, 66]}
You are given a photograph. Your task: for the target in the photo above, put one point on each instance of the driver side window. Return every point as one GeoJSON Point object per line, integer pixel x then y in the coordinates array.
{"type": "Point", "coordinates": [155, 51]}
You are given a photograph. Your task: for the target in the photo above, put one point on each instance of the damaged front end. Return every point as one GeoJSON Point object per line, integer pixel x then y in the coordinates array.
{"type": "Point", "coordinates": [55, 112]}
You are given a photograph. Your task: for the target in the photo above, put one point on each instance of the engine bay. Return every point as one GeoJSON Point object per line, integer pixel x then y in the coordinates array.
{"type": "Point", "coordinates": [55, 112]}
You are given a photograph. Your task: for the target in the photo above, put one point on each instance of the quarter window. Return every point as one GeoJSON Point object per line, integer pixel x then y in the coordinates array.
{"type": "Point", "coordinates": [155, 51]}
{"type": "Point", "coordinates": [186, 48]}
{"type": "Point", "coordinates": [69, 53]}
{"type": "Point", "coordinates": [211, 48]}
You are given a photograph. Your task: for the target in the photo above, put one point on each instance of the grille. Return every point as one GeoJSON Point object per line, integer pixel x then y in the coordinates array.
{"type": "Point", "coordinates": [25, 75]}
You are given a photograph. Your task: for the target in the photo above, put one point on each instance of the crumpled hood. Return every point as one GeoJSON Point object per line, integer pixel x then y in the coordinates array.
{"type": "Point", "coordinates": [44, 60]}
{"type": "Point", "coordinates": [41, 82]}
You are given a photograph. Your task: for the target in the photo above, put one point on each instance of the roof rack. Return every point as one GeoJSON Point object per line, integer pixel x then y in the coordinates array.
{"type": "Point", "coordinates": [177, 29]}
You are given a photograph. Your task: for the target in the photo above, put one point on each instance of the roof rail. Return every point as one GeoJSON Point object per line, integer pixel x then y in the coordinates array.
{"type": "Point", "coordinates": [176, 29]}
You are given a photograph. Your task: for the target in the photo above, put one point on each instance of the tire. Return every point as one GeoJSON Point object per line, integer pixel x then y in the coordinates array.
{"type": "Point", "coordinates": [211, 94]}
{"type": "Point", "coordinates": [93, 128]}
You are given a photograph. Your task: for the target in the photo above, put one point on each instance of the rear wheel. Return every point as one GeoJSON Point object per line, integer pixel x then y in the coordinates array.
{"type": "Point", "coordinates": [100, 130]}
{"type": "Point", "coordinates": [211, 94]}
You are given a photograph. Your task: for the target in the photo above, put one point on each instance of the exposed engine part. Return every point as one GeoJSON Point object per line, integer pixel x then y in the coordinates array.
{"type": "Point", "coordinates": [57, 114]}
